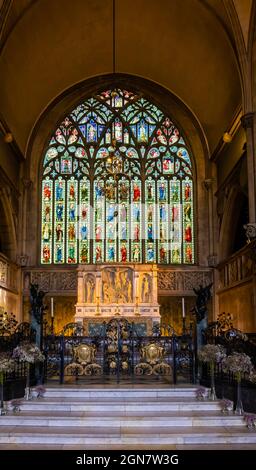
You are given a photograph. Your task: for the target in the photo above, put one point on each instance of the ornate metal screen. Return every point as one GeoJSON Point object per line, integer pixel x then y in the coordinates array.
{"type": "Point", "coordinates": [147, 215]}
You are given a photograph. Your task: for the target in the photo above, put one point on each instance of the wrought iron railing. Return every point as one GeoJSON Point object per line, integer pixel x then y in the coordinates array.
{"type": "Point", "coordinates": [119, 354]}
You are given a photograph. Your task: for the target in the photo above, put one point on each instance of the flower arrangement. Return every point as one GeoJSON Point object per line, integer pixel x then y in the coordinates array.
{"type": "Point", "coordinates": [250, 420]}
{"type": "Point", "coordinates": [40, 391]}
{"type": "Point", "coordinates": [252, 376]}
{"type": "Point", "coordinates": [211, 353]}
{"type": "Point", "coordinates": [16, 404]}
{"type": "Point", "coordinates": [7, 364]}
{"type": "Point", "coordinates": [28, 352]}
{"type": "Point", "coordinates": [200, 393]}
{"type": "Point", "coordinates": [226, 406]}
{"type": "Point", "coordinates": [238, 364]}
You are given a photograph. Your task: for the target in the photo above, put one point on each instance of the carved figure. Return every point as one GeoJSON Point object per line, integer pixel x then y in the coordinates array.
{"type": "Point", "coordinates": [36, 302]}
{"type": "Point", "coordinates": [90, 289]}
{"type": "Point", "coordinates": [203, 296]}
{"type": "Point", "coordinates": [145, 289]}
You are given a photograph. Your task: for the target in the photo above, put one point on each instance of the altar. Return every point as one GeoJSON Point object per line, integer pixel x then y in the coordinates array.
{"type": "Point", "coordinates": [106, 291]}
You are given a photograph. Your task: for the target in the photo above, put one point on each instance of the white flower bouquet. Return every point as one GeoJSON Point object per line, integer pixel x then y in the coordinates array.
{"type": "Point", "coordinates": [226, 405]}
{"type": "Point", "coordinates": [28, 352]}
{"type": "Point", "coordinates": [238, 364]}
{"type": "Point", "coordinates": [7, 364]}
{"type": "Point", "coordinates": [211, 353]}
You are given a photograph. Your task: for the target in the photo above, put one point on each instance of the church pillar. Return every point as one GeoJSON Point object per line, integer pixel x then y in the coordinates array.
{"type": "Point", "coordinates": [23, 258]}
{"type": "Point", "coordinates": [247, 123]}
{"type": "Point", "coordinates": [212, 255]}
{"type": "Point", "coordinates": [137, 294]}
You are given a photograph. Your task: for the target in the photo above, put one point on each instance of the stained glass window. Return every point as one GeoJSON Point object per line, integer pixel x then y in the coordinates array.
{"type": "Point", "coordinates": [146, 214]}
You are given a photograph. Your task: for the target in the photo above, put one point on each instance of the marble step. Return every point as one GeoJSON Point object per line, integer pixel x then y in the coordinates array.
{"type": "Point", "coordinates": [138, 393]}
{"type": "Point", "coordinates": [60, 436]}
{"type": "Point", "coordinates": [139, 422]}
{"type": "Point", "coordinates": [133, 447]}
{"type": "Point", "coordinates": [121, 407]}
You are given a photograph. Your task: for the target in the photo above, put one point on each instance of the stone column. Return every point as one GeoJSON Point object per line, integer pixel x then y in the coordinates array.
{"type": "Point", "coordinates": [212, 257]}
{"type": "Point", "coordinates": [80, 288]}
{"type": "Point", "coordinates": [26, 193]}
{"type": "Point", "coordinates": [136, 292]}
{"type": "Point", "coordinates": [247, 123]}
{"type": "Point", "coordinates": [154, 278]}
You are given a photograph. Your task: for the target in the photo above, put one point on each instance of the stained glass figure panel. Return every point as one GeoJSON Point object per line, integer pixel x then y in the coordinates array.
{"type": "Point", "coordinates": [145, 213]}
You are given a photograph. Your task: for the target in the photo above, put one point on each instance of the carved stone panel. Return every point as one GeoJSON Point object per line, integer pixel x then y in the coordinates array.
{"type": "Point", "coordinates": [53, 280]}
{"type": "Point", "coordinates": [117, 285]}
{"type": "Point", "coordinates": [3, 273]}
{"type": "Point", "coordinates": [180, 281]}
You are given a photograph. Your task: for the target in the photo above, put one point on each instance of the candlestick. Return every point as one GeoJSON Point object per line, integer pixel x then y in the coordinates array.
{"type": "Point", "coordinates": [183, 308]}
{"type": "Point", "coordinates": [52, 313]}
{"type": "Point", "coordinates": [52, 325]}
{"type": "Point", "coordinates": [136, 310]}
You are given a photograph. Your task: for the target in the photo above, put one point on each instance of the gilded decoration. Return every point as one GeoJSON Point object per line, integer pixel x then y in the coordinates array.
{"type": "Point", "coordinates": [152, 361]}
{"type": "Point", "coordinates": [83, 361]}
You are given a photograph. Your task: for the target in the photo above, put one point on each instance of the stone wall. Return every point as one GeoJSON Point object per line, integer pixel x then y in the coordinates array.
{"type": "Point", "coordinates": [237, 287]}
{"type": "Point", "coordinates": [9, 287]}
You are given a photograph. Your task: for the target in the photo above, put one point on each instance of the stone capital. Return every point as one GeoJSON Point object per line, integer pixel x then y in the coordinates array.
{"type": "Point", "coordinates": [27, 183]}
{"type": "Point", "coordinates": [22, 260]}
{"type": "Point", "coordinates": [208, 183]}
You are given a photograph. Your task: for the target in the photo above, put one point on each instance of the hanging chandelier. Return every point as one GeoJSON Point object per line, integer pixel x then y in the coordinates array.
{"type": "Point", "coordinates": [114, 169]}
{"type": "Point", "coordinates": [115, 163]}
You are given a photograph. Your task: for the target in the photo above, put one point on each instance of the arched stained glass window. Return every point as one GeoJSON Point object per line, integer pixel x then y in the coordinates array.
{"type": "Point", "coordinates": [144, 215]}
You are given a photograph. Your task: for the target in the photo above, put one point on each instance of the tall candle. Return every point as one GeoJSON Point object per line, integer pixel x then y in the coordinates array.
{"type": "Point", "coordinates": [183, 307]}
{"type": "Point", "coordinates": [52, 313]}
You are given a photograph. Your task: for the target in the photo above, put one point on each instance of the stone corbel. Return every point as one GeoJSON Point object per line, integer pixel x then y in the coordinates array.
{"type": "Point", "coordinates": [247, 120]}
{"type": "Point", "coordinates": [22, 260]}
{"type": "Point", "coordinates": [250, 231]}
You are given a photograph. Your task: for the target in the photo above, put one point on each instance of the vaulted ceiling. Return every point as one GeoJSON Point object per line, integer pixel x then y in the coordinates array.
{"type": "Point", "coordinates": [186, 46]}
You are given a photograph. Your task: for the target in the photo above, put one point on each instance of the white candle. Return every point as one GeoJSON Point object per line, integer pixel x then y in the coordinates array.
{"type": "Point", "coordinates": [183, 307]}
{"type": "Point", "coordinates": [52, 313]}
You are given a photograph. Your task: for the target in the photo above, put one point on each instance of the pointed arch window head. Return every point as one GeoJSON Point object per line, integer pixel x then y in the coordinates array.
{"type": "Point", "coordinates": [146, 214]}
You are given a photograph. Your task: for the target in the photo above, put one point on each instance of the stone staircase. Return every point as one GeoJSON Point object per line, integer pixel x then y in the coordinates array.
{"type": "Point", "coordinates": [123, 418]}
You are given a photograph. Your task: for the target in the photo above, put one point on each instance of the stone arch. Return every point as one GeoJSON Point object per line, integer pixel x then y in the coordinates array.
{"type": "Point", "coordinates": [233, 205]}
{"type": "Point", "coordinates": [169, 103]}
